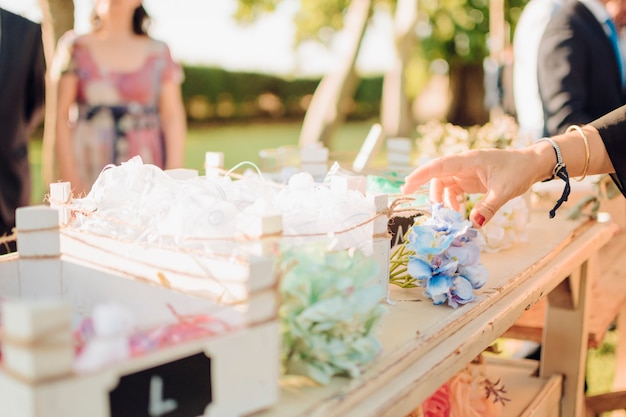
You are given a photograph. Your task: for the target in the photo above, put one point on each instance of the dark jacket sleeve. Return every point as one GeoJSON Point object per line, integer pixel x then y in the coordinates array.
{"type": "Point", "coordinates": [36, 78]}
{"type": "Point", "coordinates": [612, 128]}
{"type": "Point", "coordinates": [22, 82]}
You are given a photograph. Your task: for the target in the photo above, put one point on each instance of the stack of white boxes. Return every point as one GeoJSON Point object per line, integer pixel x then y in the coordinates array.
{"type": "Point", "coordinates": [399, 154]}
{"type": "Point", "coordinates": [314, 160]}
{"type": "Point", "coordinates": [61, 274]}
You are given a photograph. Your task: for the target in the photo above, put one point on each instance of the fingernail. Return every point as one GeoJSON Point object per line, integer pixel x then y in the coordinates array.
{"type": "Point", "coordinates": [480, 219]}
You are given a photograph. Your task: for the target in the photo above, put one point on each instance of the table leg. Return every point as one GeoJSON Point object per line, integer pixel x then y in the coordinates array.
{"type": "Point", "coordinates": [564, 344]}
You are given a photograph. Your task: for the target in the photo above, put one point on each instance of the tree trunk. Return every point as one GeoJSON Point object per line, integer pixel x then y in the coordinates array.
{"type": "Point", "coordinates": [57, 18]}
{"type": "Point", "coordinates": [396, 114]}
{"type": "Point", "coordinates": [467, 107]}
{"type": "Point", "coordinates": [327, 108]}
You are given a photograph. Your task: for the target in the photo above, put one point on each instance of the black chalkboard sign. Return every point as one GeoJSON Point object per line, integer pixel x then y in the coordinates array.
{"type": "Point", "coordinates": [398, 226]}
{"type": "Point", "coordinates": [181, 388]}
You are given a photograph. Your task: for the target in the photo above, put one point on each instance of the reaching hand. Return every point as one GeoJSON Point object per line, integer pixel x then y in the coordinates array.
{"type": "Point", "coordinates": [500, 174]}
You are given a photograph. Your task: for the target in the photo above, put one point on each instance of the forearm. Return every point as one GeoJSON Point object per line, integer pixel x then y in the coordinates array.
{"type": "Point", "coordinates": [174, 125]}
{"type": "Point", "coordinates": [573, 152]}
{"type": "Point", "coordinates": [174, 133]}
{"type": "Point", "coordinates": [63, 150]}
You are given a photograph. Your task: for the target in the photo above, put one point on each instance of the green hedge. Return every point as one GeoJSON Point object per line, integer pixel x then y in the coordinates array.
{"type": "Point", "coordinates": [216, 94]}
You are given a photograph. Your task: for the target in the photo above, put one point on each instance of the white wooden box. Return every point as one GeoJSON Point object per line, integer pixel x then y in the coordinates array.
{"type": "Point", "coordinates": [240, 368]}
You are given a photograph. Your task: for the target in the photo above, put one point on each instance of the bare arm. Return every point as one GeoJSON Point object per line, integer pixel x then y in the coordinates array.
{"type": "Point", "coordinates": [573, 150]}
{"type": "Point", "coordinates": [66, 97]}
{"type": "Point", "coordinates": [505, 174]}
{"type": "Point", "coordinates": [174, 124]}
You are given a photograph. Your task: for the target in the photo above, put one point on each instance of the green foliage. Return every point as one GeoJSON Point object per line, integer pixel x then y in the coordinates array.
{"type": "Point", "coordinates": [250, 10]}
{"type": "Point", "coordinates": [601, 365]}
{"type": "Point", "coordinates": [457, 30]}
{"type": "Point", "coordinates": [217, 94]}
{"type": "Point", "coordinates": [454, 30]}
{"type": "Point", "coordinates": [319, 19]}
{"type": "Point", "coordinates": [316, 20]}
{"type": "Point", "coordinates": [215, 82]}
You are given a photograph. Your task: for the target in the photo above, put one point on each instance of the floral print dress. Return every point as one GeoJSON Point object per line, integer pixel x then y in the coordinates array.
{"type": "Point", "coordinates": [117, 113]}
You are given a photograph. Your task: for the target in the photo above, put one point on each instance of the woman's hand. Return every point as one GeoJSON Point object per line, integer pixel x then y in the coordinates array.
{"type": "Point", "coordinates": [500, 174]}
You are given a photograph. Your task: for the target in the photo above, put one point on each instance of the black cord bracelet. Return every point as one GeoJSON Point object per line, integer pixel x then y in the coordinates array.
{"type": "Point", "coordinates": [560, 171]}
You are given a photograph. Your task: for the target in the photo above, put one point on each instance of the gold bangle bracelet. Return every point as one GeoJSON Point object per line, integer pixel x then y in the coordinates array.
{"type": "Point", "coordinates": [586, 142]}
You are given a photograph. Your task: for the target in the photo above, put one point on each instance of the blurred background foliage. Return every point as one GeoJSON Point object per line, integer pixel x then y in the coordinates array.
{"type": "Point", "coordinates": [215, 94]}
{"type": "Point", "coordinates": [451, 37]}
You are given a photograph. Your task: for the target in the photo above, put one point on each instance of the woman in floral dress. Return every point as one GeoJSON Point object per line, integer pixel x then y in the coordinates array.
{"type": "Point", "coordinates": [118, 96]}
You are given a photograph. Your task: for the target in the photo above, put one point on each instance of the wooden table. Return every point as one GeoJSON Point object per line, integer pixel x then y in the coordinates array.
{"type": "Point", "coordinates": [608, 299]}
{"type": "Point", "coordinates": [424, 345]}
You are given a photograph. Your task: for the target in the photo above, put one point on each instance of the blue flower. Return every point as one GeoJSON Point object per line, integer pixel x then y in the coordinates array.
{"type": "Point", "coordinates": [426, 241]}
{"type": "Point", "coordinates": [445, 258]}
{"type": "Point", "coordinates": [476, 274]}
{"type": "Point", "coordinates": [461, 291]}
{"type": "Point", "coordinates": [447, 220]}
{"type": "Point", "coordinates": [466, 254]}
{"type": "Point", "coordinates": [438, 288]}
{"type": "Point", "coordinates": [419, 269]}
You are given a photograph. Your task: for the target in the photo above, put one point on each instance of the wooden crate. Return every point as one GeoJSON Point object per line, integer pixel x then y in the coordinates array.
{"type": "Point", "coordinates": [531, 396]}
{"type": "Point", "coordinates": [527, 394]}
{"type": "Point", "coordinates": [211, 374]}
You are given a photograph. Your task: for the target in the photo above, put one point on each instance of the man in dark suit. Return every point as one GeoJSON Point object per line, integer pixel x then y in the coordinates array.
{"type": "Point", "coordinates": [22, 80]}
{"type": "Point", "coordinates": [579, 70]}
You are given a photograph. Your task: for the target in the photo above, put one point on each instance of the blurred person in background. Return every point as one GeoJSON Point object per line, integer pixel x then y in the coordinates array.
{"type": "Point", "coordinates": [580, 65]}
{"type": "Point", "coordinates": [119, 96]}
{"type": "Point", "coordinates": [22, 89]}
{"type": "Point", "coordinates": [528, 32]}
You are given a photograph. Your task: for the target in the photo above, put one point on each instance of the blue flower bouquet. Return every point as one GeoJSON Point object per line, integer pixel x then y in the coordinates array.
{"type": "Point", "coordinates": [440, 254]}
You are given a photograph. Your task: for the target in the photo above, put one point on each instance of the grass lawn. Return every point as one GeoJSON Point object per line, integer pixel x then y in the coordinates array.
{"type": "Point", "coordinates": [601, 365]}
{"type": "Point", "coordinates": [241, 142]}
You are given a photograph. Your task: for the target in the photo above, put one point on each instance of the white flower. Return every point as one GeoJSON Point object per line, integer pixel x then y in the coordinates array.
{"type": "Point", "coordinates": [507, 227]}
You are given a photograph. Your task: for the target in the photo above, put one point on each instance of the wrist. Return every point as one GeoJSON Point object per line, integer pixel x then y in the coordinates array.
{"type": "Point", "coordinates": [559, 171]}
{"type": "Point", "coordinates": [543, 160]}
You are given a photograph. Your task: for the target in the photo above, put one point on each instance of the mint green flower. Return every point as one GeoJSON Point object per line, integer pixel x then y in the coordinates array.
{"type": "Point", "coordinates": [328, 313]}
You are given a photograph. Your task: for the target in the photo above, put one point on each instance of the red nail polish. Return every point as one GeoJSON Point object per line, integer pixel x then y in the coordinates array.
{"type": "Point", "coordinates": [480, 219]}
